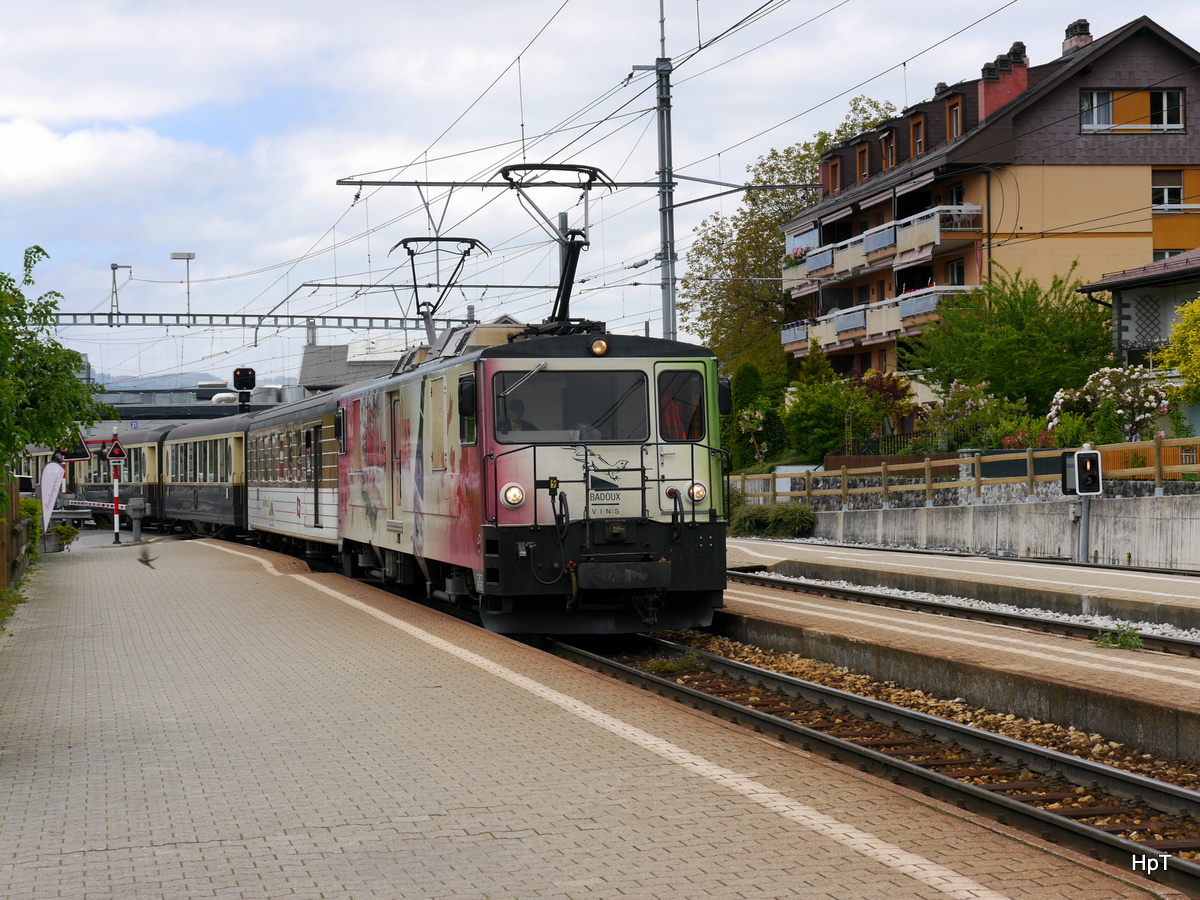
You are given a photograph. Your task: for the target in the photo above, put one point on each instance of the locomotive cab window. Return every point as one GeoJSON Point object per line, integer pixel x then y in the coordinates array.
{"type": "Point", "coordinates": [681, 406]}
{"type": "Point", "coordinates": [548, 407]}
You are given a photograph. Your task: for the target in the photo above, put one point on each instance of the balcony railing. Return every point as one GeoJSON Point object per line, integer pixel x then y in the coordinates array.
{"type": "Point", "coordinates": [794, 333]}
{"type": "Point", "coordinates": [883, 317]}
{"type": "Point", "coordinates": [923, 229]}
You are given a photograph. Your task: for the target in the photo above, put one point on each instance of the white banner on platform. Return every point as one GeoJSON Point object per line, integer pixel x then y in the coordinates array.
{"type": "Point", "coordinates": [52, 479]}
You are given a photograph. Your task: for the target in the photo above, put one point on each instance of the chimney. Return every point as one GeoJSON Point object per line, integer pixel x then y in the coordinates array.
{"type": "Point", "coordinates": [1003, 80]}
{"type": "Point", "coordinates": [1079, 34]}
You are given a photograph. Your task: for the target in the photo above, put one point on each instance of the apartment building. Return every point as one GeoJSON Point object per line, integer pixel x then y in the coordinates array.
{"type": "Point", "coordinates": [1086, 158]}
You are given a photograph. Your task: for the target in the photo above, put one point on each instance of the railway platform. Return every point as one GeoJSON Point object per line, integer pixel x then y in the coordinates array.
{"type": "Point", "coordinates": [1147, 700]}
{"type": "Point", "coordinates": [1133, 594]}
{"type": "Point", "coordinates": [225, 723]}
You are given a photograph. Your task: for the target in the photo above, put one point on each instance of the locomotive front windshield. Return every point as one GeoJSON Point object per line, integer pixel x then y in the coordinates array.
{"type": "Point", "coordinates": [541, 407]}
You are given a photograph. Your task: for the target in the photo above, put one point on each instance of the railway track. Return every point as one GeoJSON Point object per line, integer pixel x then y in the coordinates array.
{"type": "Point", "coordinates": [1124, 818]}
{"type": "Point", "coordinates": [1030, 621]}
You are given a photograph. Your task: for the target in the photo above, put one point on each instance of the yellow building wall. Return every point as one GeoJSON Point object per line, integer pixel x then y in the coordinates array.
{"type": "Point", "coordinates": [1097, 256]}
{"type": "Point", "coordinates": [1031, 200]}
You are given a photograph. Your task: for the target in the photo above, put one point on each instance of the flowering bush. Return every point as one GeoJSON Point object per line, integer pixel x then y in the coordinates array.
{"type": "Point", "coordinates": [968, 416]}
{"type": "Point", "coordinates": [759, 426]}
{"type": "Point", "coordinates": [1028, 433]}
{"type": "Point", "coordinates": [793, 258]}
{"type": "Point", "coordinates": [1128, 398]}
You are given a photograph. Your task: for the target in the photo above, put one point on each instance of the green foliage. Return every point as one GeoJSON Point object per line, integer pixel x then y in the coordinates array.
{"type": "Point", "coordinates": [1025, 341]}
{"type": "Point", "coordinates": [674, 665]}
{"type": "Point", "coordinates": [1125, 637]}
{"type": "Point", "coordinates": [1183, 351]}
{"type": "Point", "coordinates": [815, 367]}
{"type": "Point", "coordinates": [10, 599]}
{"type": "Point", "coordinates": [1072, 430]}
{"type": "Point", "coordinates": [758, 434]}
{"type": "Point", "coordinates": [31, 508]}
{"type": "Point", "coordinates": [1024, 431]}
{"type": "Point", "coordinates": [892, 395]}
{"type": "Point", "coordinates": [66, 534]}
{"type": "Point", "coordinates": [968, 416]}
{"type": "Point", "coordinates": [1103, 425]}
{"type": "Point", "coordinates": [775, 520]}
{"type": "Point", "coordinates": [747, 385]}
{"type": "Point", "coordinates": [823, 416]}
{"type": "Point", "coordinates": [730, 294]}
{"type": "Point", "coordinates": [1180, 427]}
{"type": "Point", "coordinates": [41, 396]}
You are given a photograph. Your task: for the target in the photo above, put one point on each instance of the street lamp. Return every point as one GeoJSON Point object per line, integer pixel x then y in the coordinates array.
{"type": "Point", "coordinates": [187, 258]}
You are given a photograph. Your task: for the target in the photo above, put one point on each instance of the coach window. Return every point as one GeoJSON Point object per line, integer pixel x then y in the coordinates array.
{"type": "Point", "coordinates": [339, 429]}
{"type": "Point", "coordinates": [681, 406]}
{"type": "Point", "coordinates": [467, 410]}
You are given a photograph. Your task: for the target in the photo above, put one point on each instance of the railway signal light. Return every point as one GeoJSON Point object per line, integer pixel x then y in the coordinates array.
{"type": "Point", "coordinates": [243, 379]}
{"type": "Point", "coordinates": [1088, 479]}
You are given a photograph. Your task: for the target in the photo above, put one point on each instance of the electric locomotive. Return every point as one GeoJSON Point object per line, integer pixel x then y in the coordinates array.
{"type": "Point", "coordinates": [569, 482]}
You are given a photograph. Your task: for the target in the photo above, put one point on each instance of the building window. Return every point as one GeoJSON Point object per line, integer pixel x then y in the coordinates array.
{"type": "Point", "coordinates": [1166, 109]}
{"type": "Point", "coordinates": [954, 123]}
{"type": "Point", "coordinates": [954, 194]}
{"type": "Point", "coordinates": [956, 271]}
{"type": "Point", "coordinates": [864, 162]}
{"type": "Point", "coordinates": [887, 149]}
{"type": "Point", "coordinates": [1166, 187]}
{"type": "Point", "coordinates": [918, 135]}
{"type": "Point", "coordinates": [1095, 110]}
{"type": "Point", "coordinates": [1160, 255]}
{"type": "Point", "coordinates": [835, 175]}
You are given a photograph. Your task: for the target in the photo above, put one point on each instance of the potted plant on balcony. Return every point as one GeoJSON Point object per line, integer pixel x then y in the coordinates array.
{"type": "Point", "coordinates": [793, 258]}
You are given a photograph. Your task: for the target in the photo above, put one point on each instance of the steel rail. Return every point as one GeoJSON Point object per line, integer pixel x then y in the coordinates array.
{"type": "Point", "coordinates": [1030, 621]}
{"type": "Point", "coordinates": [1183, 874]}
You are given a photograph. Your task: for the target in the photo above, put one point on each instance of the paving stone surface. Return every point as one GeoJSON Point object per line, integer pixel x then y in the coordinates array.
{"type": "Point", "coordinates": [228, 725]}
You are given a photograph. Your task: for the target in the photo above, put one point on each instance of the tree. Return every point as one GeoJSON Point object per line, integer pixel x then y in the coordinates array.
{"type": "Point", "coordinates": [825, 415]}
{"type": "Point", "coordinates": [1024, 341]}
{"type": "Point", "coordinates": [41, 396]}
{"type": "Point", "coordinates": [894, 396]}
{"type": "Point", "coordinates": [1182, 353]}
{"type": "Point", "coordinates": [731, 294]}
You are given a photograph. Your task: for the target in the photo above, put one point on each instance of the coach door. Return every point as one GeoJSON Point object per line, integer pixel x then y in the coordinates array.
{"type": "Point", "coordinates": [315, 461]}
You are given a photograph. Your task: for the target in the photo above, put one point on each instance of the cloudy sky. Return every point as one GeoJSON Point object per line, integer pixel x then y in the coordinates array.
{"type": "Point", "coordinates": [132, 130]}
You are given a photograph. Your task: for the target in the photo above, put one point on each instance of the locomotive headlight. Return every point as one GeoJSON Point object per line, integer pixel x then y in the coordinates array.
{"type": "Point", "coordinates": [513, 495]}
{"type": "Point", "coordinates": [697, 492]}
{"type": "Point", "coordinates": [599, 346]}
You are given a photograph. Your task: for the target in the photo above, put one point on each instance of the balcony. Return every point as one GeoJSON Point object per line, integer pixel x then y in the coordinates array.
{"type": "Point", "coordinates": [938, 227]}
{"type": "Point", "coordinates": [882, 319]}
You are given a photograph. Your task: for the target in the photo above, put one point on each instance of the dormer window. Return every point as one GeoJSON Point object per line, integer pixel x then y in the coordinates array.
{"type": "Point", "coordinates": [954, 118]}
{"type": "Point", "coordinates": [887, 149]}
{"type": "Point", "coordinates": [917, 133]}
{"type": "Point", "coordinates": [835, 175]}
{"type": "Point", "coordinates": [864, 162]}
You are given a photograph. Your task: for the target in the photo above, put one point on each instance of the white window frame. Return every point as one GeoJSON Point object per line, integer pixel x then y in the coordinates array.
{"type": "Point", "coordinates": [1095, 111]}
{"type": "Point", "coordinates": [1169, 114]}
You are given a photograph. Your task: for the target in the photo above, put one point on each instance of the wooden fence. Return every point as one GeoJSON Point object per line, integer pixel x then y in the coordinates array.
{"type": "Point", "coordinates": [1161, 460]}
{"type": "Point", "coordinates": [14, 536]}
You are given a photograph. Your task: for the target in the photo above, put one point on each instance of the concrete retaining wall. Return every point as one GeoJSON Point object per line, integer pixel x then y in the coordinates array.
{"type": "Point", "coordinates": [1159, 532]}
